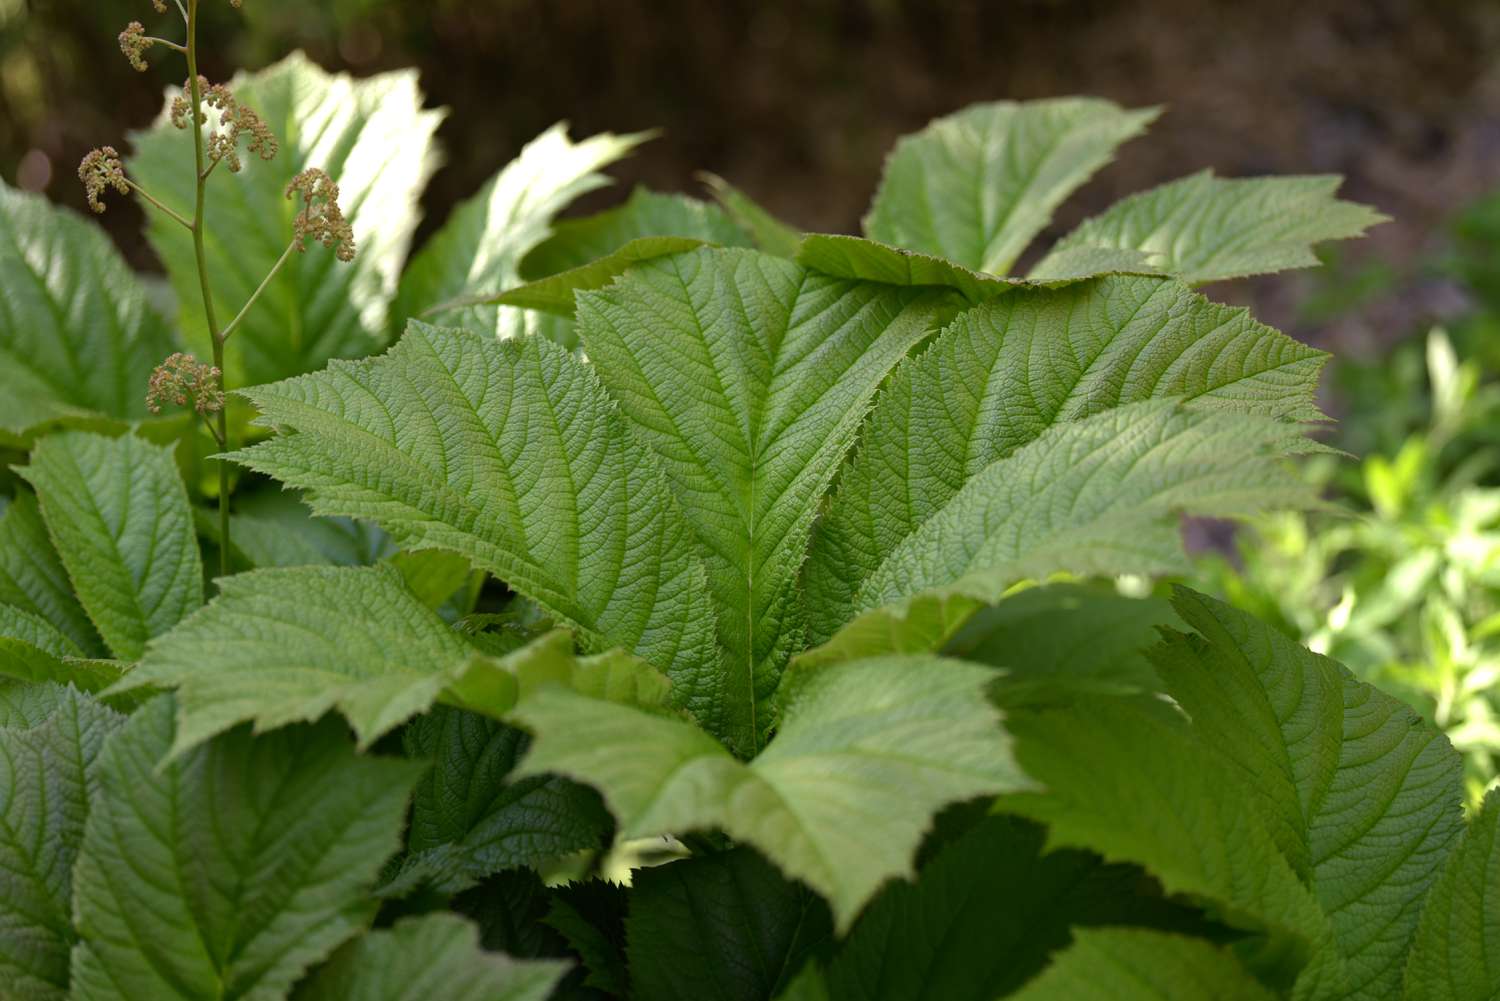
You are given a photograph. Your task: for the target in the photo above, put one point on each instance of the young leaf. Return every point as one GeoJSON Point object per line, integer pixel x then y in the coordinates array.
{"type": "Point", "coordinates": [726, 926]}
{"type": "Point", "coordinates": [1204, 228]}
{"type": "Point", "coordinates": [479, 250]}
{"type": "Point", "coordinates": [1003, 374]}
{"type": "Point", "coordinates": [749, 376]}
{"type": "Point", "coordinates": [1455, 954]}
{"type": "Point", "coordinates": [471, 819]}
{"type": "Point", "coordinates": [865, 260]}
{"type": "Point", "coordinates": [77, 340]}
{"type": "Point", "coordinates": [119, 516]}
{"type": "Point", "coordinates": [770, 234]}
{"type": "Point", "coordinates": [47, 775]}
{"type": "Point", "coordinates": [1131, 964]}
{"type": "Point", "coordinates": [34, 631]}
{"type": "Point", "coordinates": [839, 799]}
{"type": "Point", "coordinates": [976, 186]}
{"type": "Point", "coordinates": [374, 138]}
{"type": "Point", "coordinates": [553, 495]}
{"type": "Point", "coordinates": [1363, 796]}
{"type": "Point", "coordinates": [433, 956]}
{"type": "Point", "coordinates": [231, 870]}
{"type": "Point", "coordinates": [32, 577]}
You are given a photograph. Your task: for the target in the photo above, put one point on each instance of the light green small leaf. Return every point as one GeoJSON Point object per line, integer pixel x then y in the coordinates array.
{"type": "Point", "coordinates": [839, 799]}
{"type": "Point", "coordinates": [32, 577]}
{"type": "Point", "coordinates": [771, 234]}
{"type": "Point", "coordinates": [976, 186]}
{"type": "Point", "coordinates": [119, 516]}
{"type": "Point", "coordinates": [249, 859]}
{"type": "Point", "coordinates": [47, 777]}
{"type": "Point", "coordinates": [1455, 954]}
{"type": "Point", "coordinates": [373, 138]}
{"type": "Point", "coordinates": [557, 293]}
{"type": "Point", "coordinates": [749, 376]}
{"type": "Point", "coordinates": [1132, 964]}
{"type": "Point", "coordinates": [1204, 228]}
{"type": "Point", "coordinates": [478, 252]}
{"type": "Point", "coordinates": [554, 496]}
{"type": "Point", "coordinates": [77, 339]}
{"type": "Point", "coordinates": [428, 957]}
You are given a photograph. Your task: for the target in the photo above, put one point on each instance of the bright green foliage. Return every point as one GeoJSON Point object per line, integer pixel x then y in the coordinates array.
{"type": "Point", "coordinates": [249, 859]}
{"type": "Point", "coordinates": [373, 136]}
{"type": "Point", "coordinates": [725, 926]}
{"type": "Point", "coordinates": [839, 799]}
{"type": "Point", "coordinates": [769, 233]}
{"type": "Point", "coordinates": [1003, 374]}
{"type": "Point", "coordinates": [554, 496]}
{"type": "Point", "coordinates": [47, 776]}
{"type": "Point", "coordinates": [1127, 964]}
{"type": "Point", "coordinates": [32, 577]}
{"type": "Point", "coordinates": [77, 340]}
{"type": "Point", "coordinates": [418, 959]}
{"type": "Point", "coordinates": [119, 516]}
{"type": "Point", "coordinates": [1456, 953]}
{"type": "Point", "coordinates": [479, 250]}
{"type": "Point", "coordinates": [556, 294]}
{"type": "Point", "coordinates": [749, 376]}
{"type": "Point", "coordinates": [852, 257]}
{"type": "Point", "coordinates": [1204, 228]}
{"type": "Point", "coordinates": [975, 187]}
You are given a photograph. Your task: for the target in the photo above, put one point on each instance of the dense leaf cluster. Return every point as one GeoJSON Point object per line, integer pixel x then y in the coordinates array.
{"type": "Point", "coordinates": [675, 605]}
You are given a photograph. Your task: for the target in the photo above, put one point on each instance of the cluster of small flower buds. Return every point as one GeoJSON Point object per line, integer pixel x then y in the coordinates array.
{"type": "Point", "coordinates": [134, 42]}
{"type": "Point", "coordinates": [235, 120]}
{"type": "Point", "coordinates": [102, 169]}
{"type": "Point", "coordinates": [321, 219]}
{"type": "Point", "coordinates": [183, 380]}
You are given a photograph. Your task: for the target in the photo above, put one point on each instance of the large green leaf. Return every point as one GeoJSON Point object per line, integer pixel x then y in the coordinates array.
{"type": "Point", "coordinates": [77, 339]}
{"type": "Point", "coordinates": [47, 775]}
{"type": "Point", "coordinates": [1131, 964]}
{"type": "Point", "coordinates": [1004, 373]}
{"type": "Point", "coordinates": [1097, 496]}
{"type": "Point", "coordinates": [429, 957]}
{"type": "Point", "coordinates": [231, 870]}
{"type": "Point", "coordinates": [119, 516]}
{"type": "Point", "coordinates": [552, 494]}
{"type": "Point", "coordinates": [839, 799]}
{"type": "Point", "coordinates": [976, 186]}
{"type": "Point", "coordinates": [725, 926]}
{"type": "Point", "coordinates": [1455, 954]}
{"type": "Point", "coordinates": [471, 819]}
{"type": "Point", "coordinates": [1204, 228]}
{"type": "Point", "coordinates": [1364, 797]}
{"type": "Point", "coordinates": [749, 376]}
{"type": "Point", "coordinates": [273, 528]}
{"type": "Point", "coordinates": [478, 252]}
{"type": "Point", "coordinates": [32, 577]}
{"type": "Point", "coordinates": [373, 138]}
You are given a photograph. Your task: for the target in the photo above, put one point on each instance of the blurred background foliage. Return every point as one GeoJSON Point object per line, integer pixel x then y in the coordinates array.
{"type": "Point", "coordinates": [796, 101]}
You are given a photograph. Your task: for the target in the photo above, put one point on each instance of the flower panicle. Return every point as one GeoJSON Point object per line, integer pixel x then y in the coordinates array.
{"type": "Point", "coordinates": [99, 171]}
{"type": "Point", "coordinates": [182, 380]}
{"type": "Point", "coordinates": [235, 120]}
{"type": "Point", "coordinates": [134, 43]}
{"type": "Point", "coordinates": [321, 219]}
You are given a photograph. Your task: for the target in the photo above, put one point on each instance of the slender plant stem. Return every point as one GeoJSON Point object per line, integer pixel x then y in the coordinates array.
{"type": "Point", "coordinates": [147, 195]}
{"type": "Point", "coordinates": [196, 93]}
{"type": "Point", "coordinates": [167, 42]}
{"type": "Point", "coordinates": [275, 270]}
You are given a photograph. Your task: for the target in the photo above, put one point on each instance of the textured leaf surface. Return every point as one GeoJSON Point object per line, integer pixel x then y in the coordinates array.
{"type": "Point", "coordinates": [1204, 228]}
{"type": "Point", "coordinates": [32, 577]}
{"type": "Point", "coordinates": [373, 138]}
{"type": "Point", "coordinates": [1364, 796]}
{"type": "Point", "coordinates": [119, 516]}
{"type": "Point", "coordinates": [76, 336]}
{"type": "Point", "coordinates": [839, 798]}
{"type": "Point", "coordinates": [1004, 373]}
{"type": "Point", "coordinates": [867, 260]}
{"type": "Point", "coordinates": [769, 233]}
{"type": "Point", "coordinates": [421, 958]}
{"type": "Point", "coordinates": [558, 293]}
{"type": "Point", "coordinates": [230, 871]}
{"type": "Point", "coordinates": [478, 252]}
{"type": "Point", "coordinates": [749, 376]}
{"type": "Point", "coordinates": [471, 819]}
{"type": "Point", "coordinates": [1130, 964]}
{"type": "Point", "coordinates": [551, 493]}
{"type": "Point", "coordinates": [976, 186]}
{"type": "Point", "coordinates": [726, 926]}
{"type": "Point", "coordinates": [47, 775]}
{"type": "Point", "coordinates": [1456, 952]}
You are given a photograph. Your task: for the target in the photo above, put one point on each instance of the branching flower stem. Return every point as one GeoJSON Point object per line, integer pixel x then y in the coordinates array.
{"type": "Point", "coordinates": [170, 212]}
{"type": "Point", "coordinates": [286, 255]}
